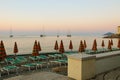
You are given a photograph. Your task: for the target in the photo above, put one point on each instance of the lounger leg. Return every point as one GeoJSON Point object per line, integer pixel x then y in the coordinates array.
{"type": "Point", "coordinates": [60, 64]}
{"type": "Point", "coordinates": [29, 68]}
{"type": "Point", "coordinates": [36, 67]}
{"type": "Point", "coordinates": [8, 72]}
{"type": "Point", "coordinates": [40, 66]}
{"type": "Point", "coordinates": [16, 71]}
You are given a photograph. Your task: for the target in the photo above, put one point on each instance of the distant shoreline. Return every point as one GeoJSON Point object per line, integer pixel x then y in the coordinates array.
{"type": "Point", "coordinates": [112, 36]}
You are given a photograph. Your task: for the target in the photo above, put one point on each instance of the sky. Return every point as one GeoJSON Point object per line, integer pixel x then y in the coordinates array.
{"type": "Point", "coordinates": [34, 17]}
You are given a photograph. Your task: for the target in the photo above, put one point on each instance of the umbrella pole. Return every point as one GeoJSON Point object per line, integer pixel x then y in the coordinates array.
{"type": "Point", "coordinates": [15, 55]}
{"type": "Point", "coordinates": [103, 49]}
{"type": "Point", "coordinates": [71, 50]}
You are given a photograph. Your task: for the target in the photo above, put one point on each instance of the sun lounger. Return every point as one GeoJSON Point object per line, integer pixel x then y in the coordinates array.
{"type": "Point", "coordinates": [1, 70]}
{"type": "Point", "coordinates": [34, 65]}
{"type": "Point", "coordinates": [115, 49]}
{"type": "Point", "coordinates": [15, 62]}
{"type": "Point", "coordinates": [29, 66]}
{"type": "Point", "coordinates": [63, 61]}
{"type": "Point", "coordinates": [42, 57]}
{"type": "Point", "coordinates": [33, 58]}
{"type": "Point", "coordinates": [9, 59]}
{"type": "Point", "coordinates": [59, 61]}
{"type": "Point", "coordinates": [52, 56]}
{"type": "Point", "coordinates": [10, 68]}
{"type": "Point", "coordinates": [39, 64]}
{"type": "Point", "coordinates": [89, 51]}
{"type": "Point", "coordinates": [21, 58]}
{"type": "Point", "coordinates": [59, 55]}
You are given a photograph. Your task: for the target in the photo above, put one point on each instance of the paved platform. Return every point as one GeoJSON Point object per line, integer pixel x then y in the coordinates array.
{"type": "Point", "coordinates": [40, 76]}
{"type": "Point", "coordinates": [110, 75]}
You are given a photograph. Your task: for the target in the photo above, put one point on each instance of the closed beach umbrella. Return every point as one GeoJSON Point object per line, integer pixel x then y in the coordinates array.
{"type": "Point", "coordinates": [3, 48]}
{"type": "Point", "coordinates": [103, 44]}
{"type": "Point", "coordinates": [56, 45]}
{"type": "Point", "coordinates": [61, 48]}
{"type": "Point", "coordinates": [118, 43]}
{"type": "Point", "coordinates": [81, 47]}
{"type": "Point", "coordinates": [111, 42]}
{"type": "Point", "coordinates": [94, 48]}
{"type": "Point", "coordinates": [39, 47]}
{"type": "Point", "coordinates": [85, 45]}
{"type": "Point", "coordinates": [70, 45]}
{"type": "Point", "coordinates": [2, 51]}
{"type": "Point", "coordinates": [15, 50]}
{"type": "Point", "coordinates": [35, 49]}
{"type": "Point", "coordinates": [109, 45]}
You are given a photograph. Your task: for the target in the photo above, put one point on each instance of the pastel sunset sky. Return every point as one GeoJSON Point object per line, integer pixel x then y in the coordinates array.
{"type": "Point", "coordinates": [57, 16]}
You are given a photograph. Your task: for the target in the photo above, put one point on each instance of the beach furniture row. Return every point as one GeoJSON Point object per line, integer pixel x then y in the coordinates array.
{"type": "Point", "coordinates": [22, 63]}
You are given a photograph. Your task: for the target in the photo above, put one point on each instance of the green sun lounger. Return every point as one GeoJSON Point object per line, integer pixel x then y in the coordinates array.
{"type": "Point", "coordinates": [29, 66]}
{"type": "Point", "coordinates": [43, 57]}
{"type": "Point", "coordinates": [9, 59]}
{"type": "Point", "coordinates": [33, 58]}
{"type": "Point", "coordinates": [10, 68]}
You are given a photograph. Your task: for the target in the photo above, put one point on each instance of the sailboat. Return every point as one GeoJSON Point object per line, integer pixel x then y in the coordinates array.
{"type": "Point", "coordinates": [11, 35]}
{"type": "Point", "coordinates": [58, 35]}
{"type": "Point", "coordinates": [43, 34]}
{"type": "Point", "coordinates": [68, 34]}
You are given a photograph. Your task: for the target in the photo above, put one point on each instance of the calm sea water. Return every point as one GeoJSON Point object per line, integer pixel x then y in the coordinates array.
{"type": "Point", "coordinates": [25, 44]}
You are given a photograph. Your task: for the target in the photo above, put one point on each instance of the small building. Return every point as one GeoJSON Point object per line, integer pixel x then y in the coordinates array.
{"type": "Point", "coordinates": [118, 28]}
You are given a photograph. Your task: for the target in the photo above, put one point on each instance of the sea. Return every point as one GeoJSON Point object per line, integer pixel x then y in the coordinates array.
{"type": "Point", "coordinates": [25, 43]}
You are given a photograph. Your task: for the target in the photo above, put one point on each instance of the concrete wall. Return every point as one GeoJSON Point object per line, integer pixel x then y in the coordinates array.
{"type": "Point", "coordinates": [74, 68]}
{"type": "Point", "coordinates": [79, 68]}
{"type": "Point", "coordinates": [87, 70]}
{"type": "Point", "coordinates": [118, 30]}
{"type": "Point", "coordinates": [107, 63]}
{"type": "Point", "coordinates": [83, 66]}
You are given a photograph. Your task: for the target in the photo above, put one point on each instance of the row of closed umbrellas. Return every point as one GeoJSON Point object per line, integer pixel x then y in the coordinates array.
{"type": "Point", "coordinates": [37, 47]}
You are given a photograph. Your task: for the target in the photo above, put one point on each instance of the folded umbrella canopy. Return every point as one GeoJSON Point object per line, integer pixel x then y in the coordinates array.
{"type": "Point", "coordinates": [56, 45]}
{"type": "Point", "coordinates": [81, 47]}
{"type": "Point", "coordinates": [85, 45]}
{"type": "Point", "coordinates": [94, 48]}
{"type": "Point", "coordinates": [111, 42]}
{"type": "Point", "coordinates": [39, 47]}
{"type": "Point", "coordinates": [118, 45]}
{"type": "Point", "coordinates": [35, 49]}
{"type": "Point", "coordinates": [70, 45]}
{"type": "Point", "coordinates": [103, 44]}
{"type": "Point", "coordinates": [2, 51]}
{"type": "Point", "coordinates": [61, 48]}
{"type": "Point", "coordinates": [109, 45]}
{"type": "Point", "coordinates": [15, 50]}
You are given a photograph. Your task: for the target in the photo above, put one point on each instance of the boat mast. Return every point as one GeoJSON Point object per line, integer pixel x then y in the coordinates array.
{"type": "Point", "coordinates": [43, 32]}
{"type": "Point", "coordinates": [11, 35]}
{"type": "Point", "coordinates": [69, 33]}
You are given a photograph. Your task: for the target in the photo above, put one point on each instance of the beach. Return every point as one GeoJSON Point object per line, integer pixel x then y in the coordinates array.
{"type": "Point", "coordinates": [48, 68]}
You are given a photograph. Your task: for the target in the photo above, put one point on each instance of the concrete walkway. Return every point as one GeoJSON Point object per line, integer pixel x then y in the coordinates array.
{"type": "Point", "coordinates": [40, 76]}
{"type": "Point", "coordinates": [110, 75]}
{"type": "Point", "coordinates": [43, 75]}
